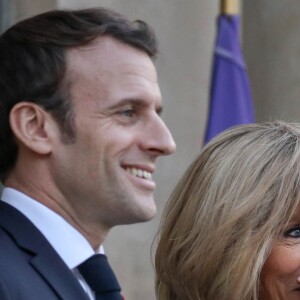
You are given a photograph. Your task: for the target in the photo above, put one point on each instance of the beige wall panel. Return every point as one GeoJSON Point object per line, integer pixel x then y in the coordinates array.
{"type": "Point", "coordinates": [26, 8]}
{"type": "Point", "coordinates": [272, 50]}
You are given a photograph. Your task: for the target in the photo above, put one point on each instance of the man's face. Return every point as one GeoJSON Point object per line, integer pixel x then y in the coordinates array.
{"type": "Point", "coordinates": [106, 175]}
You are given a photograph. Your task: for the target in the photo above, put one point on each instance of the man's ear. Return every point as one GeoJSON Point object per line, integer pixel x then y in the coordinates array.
{"type": "Point", "coordinates": [32, 126]}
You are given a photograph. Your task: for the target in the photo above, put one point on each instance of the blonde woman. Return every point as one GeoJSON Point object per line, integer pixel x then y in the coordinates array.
{"type": "Point", "coordinates": [231, 228]}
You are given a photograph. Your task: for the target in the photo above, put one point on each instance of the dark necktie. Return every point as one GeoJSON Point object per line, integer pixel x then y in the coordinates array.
{"type": "Point", "coordinates": [100, 277]}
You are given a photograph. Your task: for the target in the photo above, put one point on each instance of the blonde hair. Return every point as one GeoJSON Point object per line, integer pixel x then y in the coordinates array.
{"type": "Point", "coordinates": [227, 210]}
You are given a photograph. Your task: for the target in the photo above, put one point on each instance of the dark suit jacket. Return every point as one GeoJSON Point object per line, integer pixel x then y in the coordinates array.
{"type": "Point", "coordinates": [30, 269]}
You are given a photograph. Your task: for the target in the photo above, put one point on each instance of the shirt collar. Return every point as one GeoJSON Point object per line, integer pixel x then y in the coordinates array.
{"type": "Point", "coordinates": [69, 243]}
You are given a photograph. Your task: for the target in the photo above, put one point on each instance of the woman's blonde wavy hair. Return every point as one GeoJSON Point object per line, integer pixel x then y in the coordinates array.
{"type": "Point", "coordinates": [223, 216]}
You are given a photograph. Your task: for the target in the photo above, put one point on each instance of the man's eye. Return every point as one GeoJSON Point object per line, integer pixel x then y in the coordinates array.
{"type": "Point", "coordinates": [293, 232]}
{"type": "Point", "coordinates": [127, 112]}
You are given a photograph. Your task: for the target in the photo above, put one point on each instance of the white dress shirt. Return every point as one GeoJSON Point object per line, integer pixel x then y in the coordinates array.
{"type": "Point", "coordinates": [69, 243]}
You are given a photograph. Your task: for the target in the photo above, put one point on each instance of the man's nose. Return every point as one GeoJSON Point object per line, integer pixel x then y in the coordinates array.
{"type": "Point", "coordinates": [157, 138]}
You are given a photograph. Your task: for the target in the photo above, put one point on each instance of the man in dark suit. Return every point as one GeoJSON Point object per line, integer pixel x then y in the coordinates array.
{"type": "Point", "coordinates": [80, 133]}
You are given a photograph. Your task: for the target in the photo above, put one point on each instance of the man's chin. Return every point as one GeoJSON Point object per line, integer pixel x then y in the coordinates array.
{"type": "Point", "coordinates": [143, 215]}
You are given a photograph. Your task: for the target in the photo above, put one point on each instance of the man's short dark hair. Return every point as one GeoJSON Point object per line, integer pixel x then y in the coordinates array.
{"type": "Point", "coordinates": [33, 64]}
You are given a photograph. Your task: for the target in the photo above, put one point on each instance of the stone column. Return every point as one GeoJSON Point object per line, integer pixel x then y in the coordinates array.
{"type": "Point", "coordinates": [6, 19]}
{"type": "Point", "coordinates": [272, 50]}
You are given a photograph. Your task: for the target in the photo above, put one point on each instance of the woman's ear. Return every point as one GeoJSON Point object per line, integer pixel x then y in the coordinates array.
{"type": "Point", "coordinates": [32, 127]}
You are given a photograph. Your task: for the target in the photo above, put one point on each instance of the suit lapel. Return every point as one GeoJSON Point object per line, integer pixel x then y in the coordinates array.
{"type": "Point", "coordinates": [44, 258]}
{"type": "Point", "coordinates": [59, 277]}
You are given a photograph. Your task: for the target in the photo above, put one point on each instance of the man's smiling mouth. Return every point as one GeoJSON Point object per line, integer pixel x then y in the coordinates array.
{"type": "Point", "coordinates": [139, 173]}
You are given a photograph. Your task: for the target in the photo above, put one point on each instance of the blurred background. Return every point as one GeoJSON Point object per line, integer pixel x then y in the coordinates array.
{"type": "Point", "coordinates": [186, 31]}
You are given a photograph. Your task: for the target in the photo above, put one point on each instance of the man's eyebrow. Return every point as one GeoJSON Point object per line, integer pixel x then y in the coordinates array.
{"type": "Point", "coordinates": [137, 102]}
